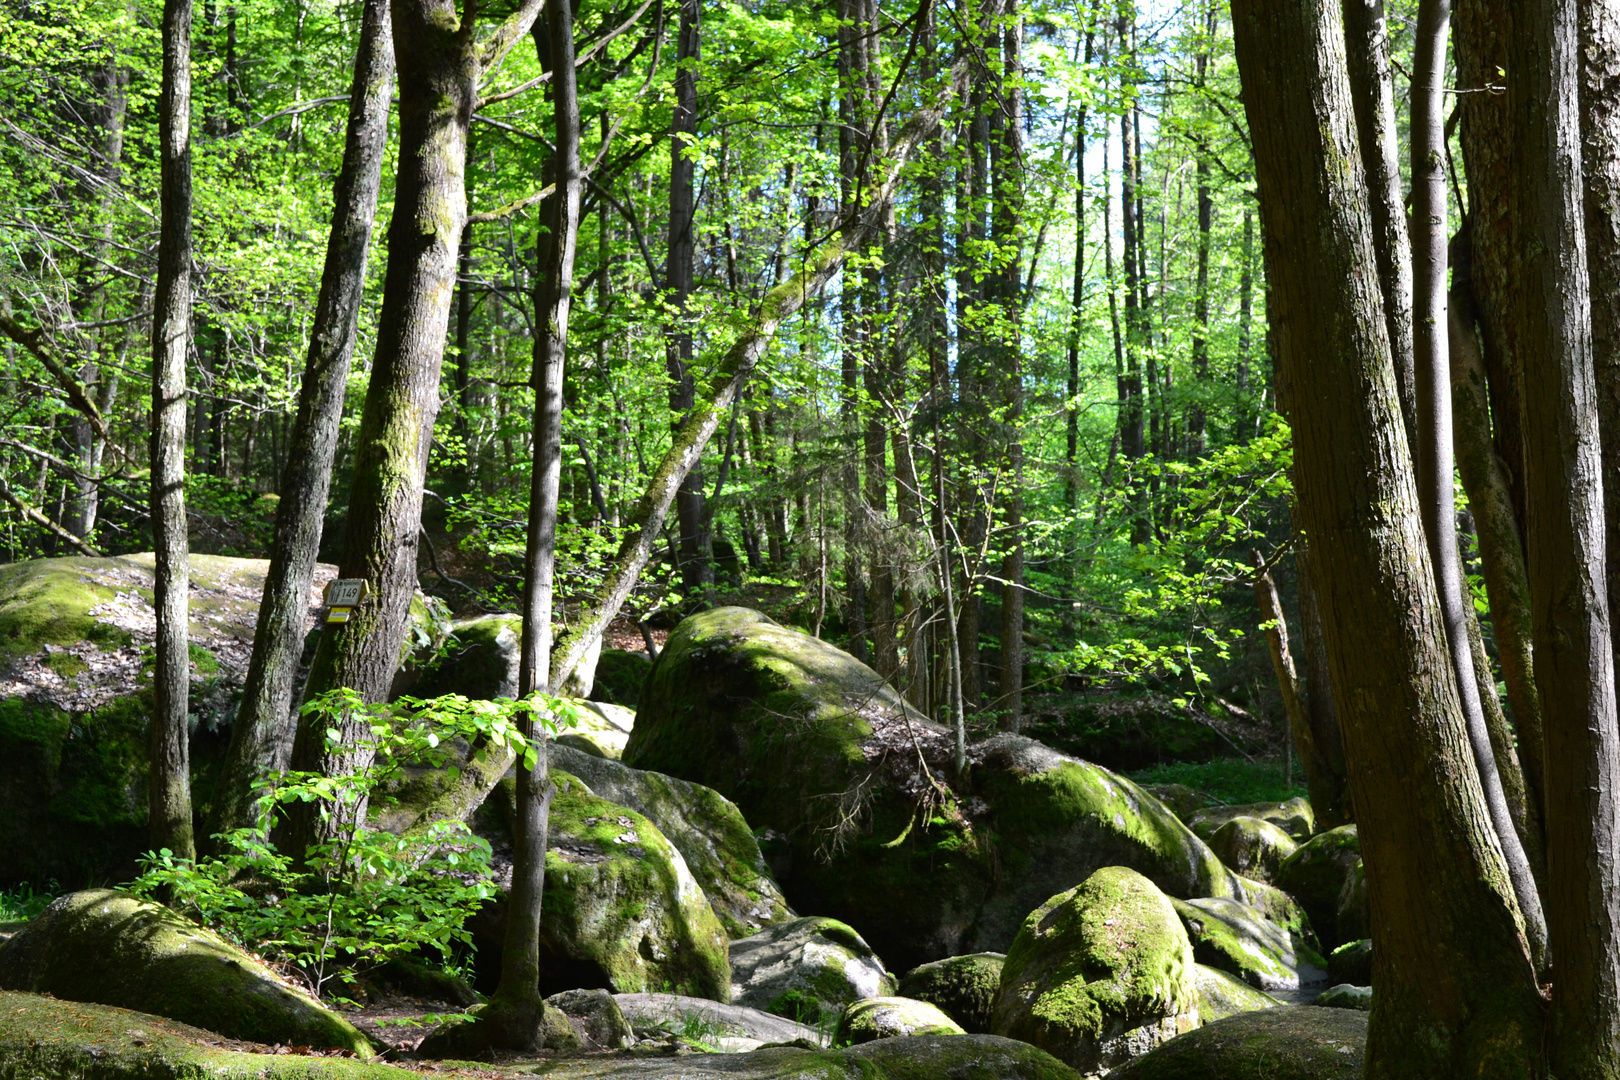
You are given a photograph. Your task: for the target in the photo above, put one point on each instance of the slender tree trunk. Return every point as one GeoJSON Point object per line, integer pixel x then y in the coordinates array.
{"type": "Point", "coordinates": [1565, 544]}
{"type": "Point", "coordinates": [1326, 788]}
{"type": "Point", "coordinates": [260, 737]}
{"type": "Point", "coordinates": [1008, 227]}
{"type": "Point", "coordinates": [169, 791]}
{"type": "Point", "coordinates": [1456, 990]}
{"type": "Point", "coordinates": [697, 574]}
{"type": "Point", "coordinates": [1245, 342]}
{"type": "Point", "coordinates": [1197, 417]}
{"type": "Point", "coordinates": [1433, 448]}
{"type": "Point", "coordinates": [1334, 809]}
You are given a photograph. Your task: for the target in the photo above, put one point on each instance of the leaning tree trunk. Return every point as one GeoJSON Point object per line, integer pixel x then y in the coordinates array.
{"type": "Point", "coordinates": [169, 789]}
{"type": "Point", "coordinates": [1565, 544]}
{"type": "Point", "coordinates": [439, 68]}
{"type": "Point", "coordinates": [259, 737]}
{"type": "Point", "coordinates": [1456, 990]}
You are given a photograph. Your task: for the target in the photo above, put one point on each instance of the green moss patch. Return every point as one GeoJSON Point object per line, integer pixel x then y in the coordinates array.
{"type": "Point", "coordinates": [1278, 1044]}
{"type": "Point", "coordinates": [48, 601]}
{"type": "Point", "coordinates": [891, 1017]}
{"type": "Point", "coordinates": [1221, 995]}
{"type": "Point", "coordinates": [965, 987]}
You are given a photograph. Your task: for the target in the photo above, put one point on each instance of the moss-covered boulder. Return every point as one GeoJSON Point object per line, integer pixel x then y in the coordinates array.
{"type": "Point", "coordinates": [806, 970]}
{"type": "Point", "coordinates": [817, 749]}
{"type": "Point", "coordinates": [1132, 731]}
{"type": "Point", "coordinates": [111, 948]}
{"type": "Point", "coordinates": [1280, 909]}
{"type": "Point", "coordinates": [1345, 996]}
{"type": "Point", "coordinates": [1317, 875]}
{"type": "Point", "coordinates": [479, 660]}
{"type": "Point", "coordinates": [1241, 941]}
{"type": "Point", "coordinates": [1221, 995]}
{"type": "Point", "coordinates": [1275, 1044]}
{"type": "Point", "coordinates": [964, 987]}
{"type": "Point", "coordinates": [620, 676]}
{"type": "Point", "coordinates": [889, 1018]}
{"type": "Point", "coordinates": [1353, 919]}
{"type": "Point", "coordinates": [1351, 963]}
{"type": "Point", "coordinates": [596, 1018]}
{"type": "Point", "coordinates": [1293, 816]}
{"type": "Point", "coordinates": [1182, 800]}
{"type": "Point", "coordinates": [1099, 974]}
{"type": "Point", "coordinates": [1254, 847]}
{"type": "Point", "coordinates": [705, 827]}
{"type": "Point", "coordinates": [621, 910]}
{"type": "Point", "coordinates": [653, 1014]}
{"type": "Point", "coordinates": [75, 701]}
{"type": "Point", "coordinates": [606, 727]}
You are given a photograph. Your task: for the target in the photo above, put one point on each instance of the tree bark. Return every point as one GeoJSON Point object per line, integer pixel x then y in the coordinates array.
{"type": "Point", "coordinates": [1457, 992]}
{"type": "Point", "coordinates": [1008, 223]}
{"type": "Point", "coordinates": [1565, 543]}
{"type": "Point", "coordinates": [1335, 808]}
{"type": "Point", "coordinates": [169, 790]}
{"type": "Point", "coordinates": [697, 574]}
{"type": "Point", "coordinates": [260, 741]}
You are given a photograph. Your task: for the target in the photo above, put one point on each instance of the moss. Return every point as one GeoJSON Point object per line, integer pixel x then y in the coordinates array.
{"type": "Point", "coordinates": [47, 602]}
{"type": "Point", "coordinates": [891, 1017]}
{"type": "Point", "coordinates": [1293, 816]}
{"type": "Point", "coordinates": [65, 664]}
{"type": "Point", "coordinates": [203, 662]}
{"type": "Point", "coordinates": [1352, 963]}
{"type": "Point", "coordinates": [965, 987]}
{"type": "Point", "coordinates": [478, 659]}
{"type": "Point", "coordinates": [1094, 964]}
{"type": "Point", "coordinates": [807, 970]}
{"type": "Point", "coordinates": [1238, 939]}
{"type": "Point", "coordinates": [1278, 1044]}
{"type": "Point", "coordinates": [40, 1036]}
{"type": "Point", "coordinates": [110, 948]}
{"type": "Point", "coordinates": [1316, 876]}
{"type": "Point", "coordinates": [620, 676]}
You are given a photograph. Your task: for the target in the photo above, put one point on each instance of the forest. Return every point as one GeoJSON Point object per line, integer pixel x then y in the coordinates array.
{"type": "Point", "coordinates": [810, 537]}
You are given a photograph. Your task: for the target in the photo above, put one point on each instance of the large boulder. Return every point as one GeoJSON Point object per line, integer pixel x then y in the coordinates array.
{"type": "Point", "coordinates": [1351, 963]}
{"type": "Point", "coordinates": [890, 1018]}
{"type": "Point", "coordinates": [620, 676]}
{"type": "Point", "coordinates": [1345, 996]}
{"type": "Point", "coordinates": [1241, 941]}
{"type": "Point", "coordinates": [1253, 847]}
{"type": "Point", "coordinates": [1293, 816]}
{"type": "Point", "coordinates": [1221, 995]}
{"type": "Point", "coordinates": [478, 661]}
{"type": "Point", "coordinates": [964, 987]}
{"type": "Point", "coordinates": [75, 702]}
{"type": "Point", "coordinates": [1318, 875]}
{"type": "Point", "coordinates": [1279, 1044]}
{"type": "Point", "coordinates": [112, 948]}
{"type": "Point", "coordinates": [621, 911]}
{"type": "Point", "coordinates": [676, 1013]}
{"type": "Point", "coordinates": [1099, 974]}
{"type": "Point", "coordinates": [596, 1017]}
{"type": "Point", "coordinates": [807, 970]}
{"type": "Point", "coordinates": [818, 750]}
{"type": "Point", "coordinates": [1134, 731]}
{"type": "Point", "coordinates": [705, 827]}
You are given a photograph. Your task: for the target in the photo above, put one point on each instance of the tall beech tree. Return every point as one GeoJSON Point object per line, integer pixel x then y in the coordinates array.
{"type": "Point", "coordinates": [260, 737]}
{"type": "Point", "coordinates": [1457, 992]}
{"type": "Point", "coordinates": [169, 798]}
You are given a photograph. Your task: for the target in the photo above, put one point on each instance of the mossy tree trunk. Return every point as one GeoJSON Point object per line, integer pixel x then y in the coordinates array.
{"type": "Point", "coordinates": [169, 790]}
{"type": "Point", "coordinates": [440, 62]}
{"type": "Point", "coordinates": [1565, 541]}
{"type": "Point", "coordinates": [1456, 990]}
{"type": "Point", "coordinates": [259, 742]}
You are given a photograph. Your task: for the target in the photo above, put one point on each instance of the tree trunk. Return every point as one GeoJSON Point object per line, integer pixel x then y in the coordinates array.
{"type": "Point", "coordinates": [1325, 787]}
{"type": "Point", "coordinates": [697, 573]}
{"type": "Point", "coordinates": [260, 742]}
{"type": "Point", "coordinates": [439, 68]}
{"type": "Point", "coordinates": [554, 287]}
{"type": "Point", "coordinates": [1457, 992]}
{"type": "Point", "coordinates": [169, 789]}
{"type": "Point", "coordinates": [1320, 713]}
{"type": "Point", "coordinates": [1008, 224]}
{"type": "Point", "coordinates": [1565, 544]}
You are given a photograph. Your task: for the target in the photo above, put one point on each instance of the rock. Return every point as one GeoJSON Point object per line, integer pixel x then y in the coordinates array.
{"type": "Point", "coordinates": [596, 1018]}
{"type": "Point", "coordinates": [74, 704]}
{"type": "Point", "coordinates": [40, 1037]}
{"type": "Point", "coordinates": [1316, 876]}
{"type": "Point", "coordinates": [891, 1017]}
{"type": "Point", "coordinates": [1253, 847]}
{"type": "Point", "coordinates": [705, 827]}
{"type": "Point", "coordinates": [1345, 996]}
{"type": "Point", "coordinates": [806, 970]}
{"type": "Point", "coordinates": [1351, 963]}
{"type": "Point", "coordinates": [1130, 731]}
{"type": "Point", "coordinates": [111, 948]}
{"type": "Point", "coordinates": [620, 676]}
{"type": "Point", "coordinates": [479, 661]}
{"type": "Point", "coordinates": [621, 910]}
{"type": "Point", "coordinates": [1293, 816]}
{"type": "Point", "coordinates": [605, 726]}
{"type": "Point", "coordinates": [1221, 995]}
{"type": "Point", "coordinates": [1099, 974]}
{"type": "Point", "coordinates": [1240, 940]}
{"type": "Point", "coordinates": [473, 1041]}
{"type": "Point", "coordinates": [816, 749]}
{"type": "Point", "coordinates": [1280, 908]}
{"type": "Point", "coordinates": [964, 987]}
{"type": "Point", "coordinates": [673, 1012]}
{"type": "Point", "coordinates": [1279, 1044]}
{"type": "Point", "coordinates": [1182, 800]}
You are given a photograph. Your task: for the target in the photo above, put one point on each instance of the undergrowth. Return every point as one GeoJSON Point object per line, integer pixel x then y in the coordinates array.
{"type": "Point", "coordinates": [1229, 780]}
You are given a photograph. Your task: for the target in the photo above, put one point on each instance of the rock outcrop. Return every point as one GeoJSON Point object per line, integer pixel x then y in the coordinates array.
{"type": "Point", "coordinates": [819, 751]}
{"type": "Point", "coordinates": [1279, 1044]}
